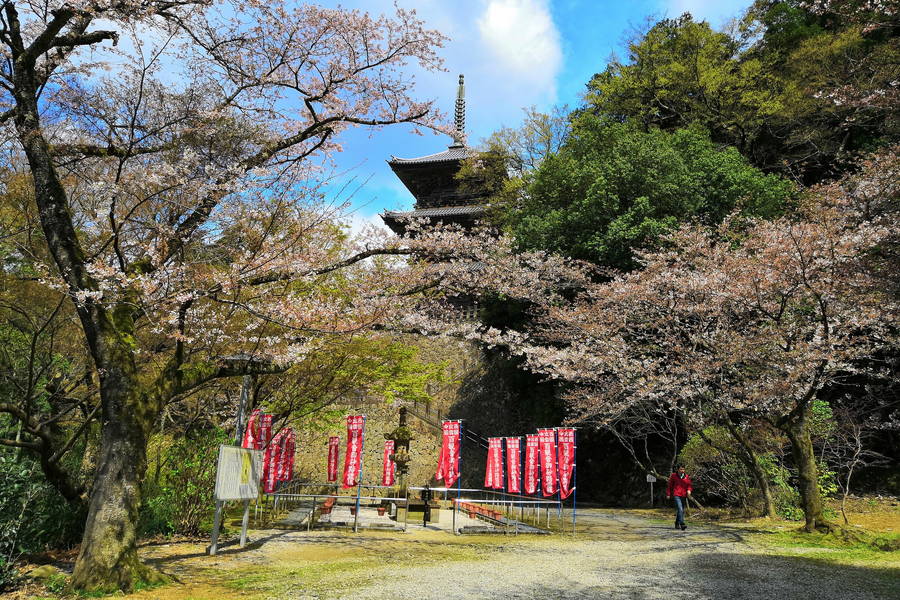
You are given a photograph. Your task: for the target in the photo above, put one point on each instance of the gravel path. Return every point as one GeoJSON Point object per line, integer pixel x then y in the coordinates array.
{"type": "Point", "coordinates": [629, 557]}
{"type": "Point", "coordinates": [615, 556]}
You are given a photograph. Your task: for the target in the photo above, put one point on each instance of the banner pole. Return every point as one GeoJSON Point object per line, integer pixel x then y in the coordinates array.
{"type": "Point", "coordinates": [362, 447]}
{"type": "Point", "coordinates": [459, 463]}
{"type": "Point", "coordinates": [521, 481]}
{"type": "Point", "coordinates": [503, 475]}
{"type": "Point", "coordinates": [458, 474]}
{"type": "Point", "coordinates": [539, 493]}
{"type": "Point", "coordinates": [558, 479]}
{"type": "Point", "coordinates": [574, 478]}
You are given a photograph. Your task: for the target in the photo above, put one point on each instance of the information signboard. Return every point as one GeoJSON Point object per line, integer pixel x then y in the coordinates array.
{"type": "Point", "coordinates": [238, 473]}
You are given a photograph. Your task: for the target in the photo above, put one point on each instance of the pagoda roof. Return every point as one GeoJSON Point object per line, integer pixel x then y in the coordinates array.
{"type": "Point", "coordinates": [442, 211]}
{"type": "Point", "coordinates": [451, 154]}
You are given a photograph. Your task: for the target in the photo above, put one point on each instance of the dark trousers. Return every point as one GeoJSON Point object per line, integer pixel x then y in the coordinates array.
{"type": "Point", "coordinates": [680, 502]}
{"type": "Point", "coordinates": [426, 515]}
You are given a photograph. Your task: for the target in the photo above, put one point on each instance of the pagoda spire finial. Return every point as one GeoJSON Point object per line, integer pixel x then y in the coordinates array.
{"type": "Point", "coordinates": [460, 114]}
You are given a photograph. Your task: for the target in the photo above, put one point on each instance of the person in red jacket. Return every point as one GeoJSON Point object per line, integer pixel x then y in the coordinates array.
{"type": "Point", "coordinates": [680, 488]}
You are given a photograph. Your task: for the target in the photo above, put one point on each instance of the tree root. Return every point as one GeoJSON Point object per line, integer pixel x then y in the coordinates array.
{"type": "Point", "coordinates": [128, 575]}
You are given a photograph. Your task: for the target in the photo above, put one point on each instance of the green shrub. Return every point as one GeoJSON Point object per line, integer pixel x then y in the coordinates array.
{"type": "Point", "coordinates": [182, 496]}
{"type": "Point", "coordinates": [33, 516]}
{"type": "Point", "coordinates": [9, 575]}
{"type": "Point", "coordinates": [715, 473]}
{"type": "Point", "coordinates": [787, 498]}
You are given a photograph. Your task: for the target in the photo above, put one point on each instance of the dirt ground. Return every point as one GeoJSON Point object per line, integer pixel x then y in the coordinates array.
{"type": "Point", "coordinates": [615, 554]}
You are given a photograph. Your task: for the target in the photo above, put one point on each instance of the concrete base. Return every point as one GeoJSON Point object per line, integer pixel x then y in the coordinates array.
{"type": "Point", "coordinates": [416, 511]}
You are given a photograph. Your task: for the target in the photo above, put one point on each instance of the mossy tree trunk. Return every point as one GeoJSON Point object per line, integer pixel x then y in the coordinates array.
{"type": "Point", "coordinates": [796, 426]}
{"type": "Point", "coordinates": [108, 559]}
{"type": "Point", "coordinates": [747, 455]}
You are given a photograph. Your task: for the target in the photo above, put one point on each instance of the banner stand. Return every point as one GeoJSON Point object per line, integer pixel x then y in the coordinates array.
{"type": "Point", "coordinates": [220, 504]}
{"type": "Point", "coordinates": [362, 448]}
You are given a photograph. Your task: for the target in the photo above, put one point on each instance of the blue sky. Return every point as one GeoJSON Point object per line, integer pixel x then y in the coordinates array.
{"type": "Point", "coordinates": [514, 54]}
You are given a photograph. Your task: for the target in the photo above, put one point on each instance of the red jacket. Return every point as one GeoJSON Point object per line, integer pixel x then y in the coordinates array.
{"type": "Point", "coordinates": [678, 486]}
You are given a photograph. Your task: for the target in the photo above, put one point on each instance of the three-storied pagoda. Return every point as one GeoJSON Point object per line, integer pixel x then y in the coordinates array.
{"type": "Point", "coordinates": [432, 181]}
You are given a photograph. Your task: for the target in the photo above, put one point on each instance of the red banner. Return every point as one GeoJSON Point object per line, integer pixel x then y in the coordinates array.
{"type": "Point", "coordinates": [292, 451]}
{"type": "Point", "coordinates": [513, 465]}
{"type": "Point", "coordinates": [271, 462]}
{"type": "Point", "coordinates": [547, 440]}
{"type": "Point", "coordinates": [353, 457]}
{"type": "Point", "coordinates": [493, 470]}
{"type": "Point", "coordinates": [565, 450]}
{"type": "Point", "coordinates": [265, 432]}
{"type": "Point", "coordinates": [251, 433]}
{"type": "Point", "coordinates": [286, 456]}
{"type": "Point", "coordinates": [532, 453]}
{"type": "Point", "coordinates": [389, 467]}
{"type": "Point", "coordinates": [448, 461]}
{"type": "Point", "coordinates": [488, 471]}
{"type": "Point", "coordinates": [333, 451]}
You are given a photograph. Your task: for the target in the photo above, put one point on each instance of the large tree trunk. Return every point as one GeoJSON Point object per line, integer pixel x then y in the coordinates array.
{"type": "Point", "coordinates": [797, 430]}
{"type": "Point", "coordinates": [108, 559]}
{"type": "Point", "coordinates": [748, 457]}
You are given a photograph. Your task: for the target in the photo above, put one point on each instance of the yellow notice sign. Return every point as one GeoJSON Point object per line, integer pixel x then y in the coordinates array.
{"type": "Point", "coordinates": [245, 468]}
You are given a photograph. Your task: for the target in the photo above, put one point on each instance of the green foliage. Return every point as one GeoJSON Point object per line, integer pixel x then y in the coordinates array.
{"type": "Point", "coordinates": [375, 365]}
{"type": "Point", "coordinates": [793, 91]}
{"type": "Point", "coordinates": [714, 468]}
{"type": "Point", "coordinates": [33, 516]}
{"type": "Point", "coordinates": [613, 187]}
{"type": "Point", "coordinates": [42, 519]}
{"type": "Point", "coordinates": [822, 423]}
{"type": "Point", "coordinates": [682, 72]}
{"type": "Point", "coordinates": [828, 485]}
{"type": "Point", "coordinates": [9, 575]}
{"type": "Point", "coordinates": [56, 583]}
{"type": "Point", "coordinates": [787, 497]}
{"type": "Point", "coordinates": [182, 496]}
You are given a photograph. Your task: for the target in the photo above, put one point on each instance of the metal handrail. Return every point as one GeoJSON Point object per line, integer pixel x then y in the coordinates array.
{"type": "Point", "coordinates": [291, 495]}
{"type": "Point", "coordinates": [516, 502]}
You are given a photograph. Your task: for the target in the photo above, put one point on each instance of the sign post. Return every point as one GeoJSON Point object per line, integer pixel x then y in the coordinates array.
{"type": "Point", "coordinates": [237, 478]}
{"type": "Point", "coordinates": [651, 479]}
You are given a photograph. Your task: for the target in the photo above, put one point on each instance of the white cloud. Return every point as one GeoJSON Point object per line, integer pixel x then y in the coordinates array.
{"type": "Point", "coordinates": [524, 40]}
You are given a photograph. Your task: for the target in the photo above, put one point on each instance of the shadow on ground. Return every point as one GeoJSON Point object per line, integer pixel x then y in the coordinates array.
{"type": "Point", "coordinates": [715, 576]}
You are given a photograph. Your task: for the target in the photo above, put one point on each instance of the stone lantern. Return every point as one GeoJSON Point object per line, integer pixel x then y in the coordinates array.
{"type": "Point", "coordinates": [401, 436]}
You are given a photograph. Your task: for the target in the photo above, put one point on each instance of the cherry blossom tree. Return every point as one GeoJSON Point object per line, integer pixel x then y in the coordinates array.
{"type": "Point", "coordinates": [180, 200]}
{"type": "Point", "coordinates": [175, 185]}
{"type": "Point", "coordinates": [752, 320]}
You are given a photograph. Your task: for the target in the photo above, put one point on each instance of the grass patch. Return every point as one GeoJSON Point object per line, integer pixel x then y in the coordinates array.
{"type": "Point", "coordinates": [287, 575]}
{"type": "Point", "coordinates": [840, 547]}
